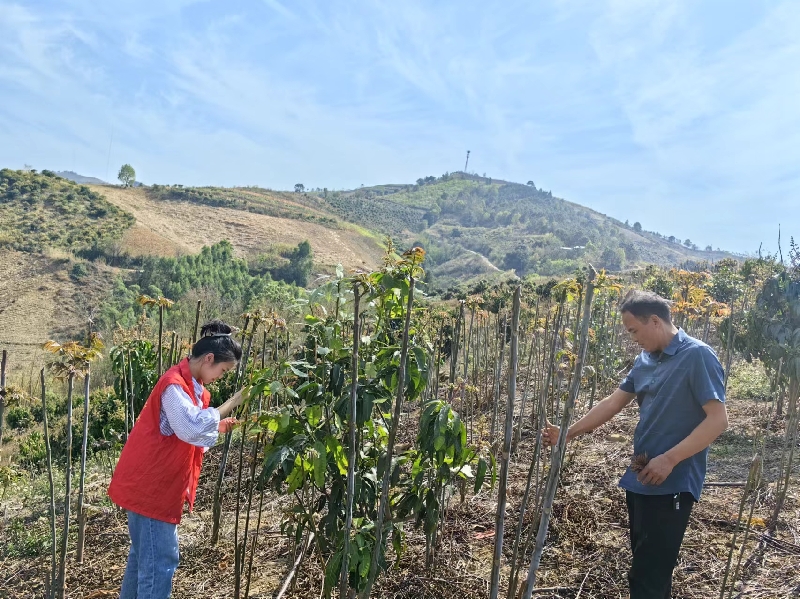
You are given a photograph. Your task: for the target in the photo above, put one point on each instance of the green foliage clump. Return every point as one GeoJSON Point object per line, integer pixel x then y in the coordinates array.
{"type": "Point", "coordinates": [42, 210]}
{"type": "Point", "coordinates": [25, 539]}
{"type": "Point", "coordinates": [56, 406]}
{"type": "Point", "coordinates": [748, 380]}
{"type": "Point", "coordinates": [32, 451]}
{"type": "Point", "coordinates": [19, 417]}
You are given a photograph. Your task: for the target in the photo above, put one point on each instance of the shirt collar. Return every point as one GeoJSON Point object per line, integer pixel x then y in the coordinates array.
{"type": "Point", "coordinates": [675, 344]}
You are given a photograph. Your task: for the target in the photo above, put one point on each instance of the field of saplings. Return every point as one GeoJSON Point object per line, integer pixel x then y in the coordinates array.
{"type": "Point", "coordinates": [391, 443]}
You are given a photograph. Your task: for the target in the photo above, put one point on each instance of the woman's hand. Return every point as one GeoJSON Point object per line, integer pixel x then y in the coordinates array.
{"type": "Point", "coordinates": [226, 425]}
{"type": "Point", "coordinates": [238, 397]}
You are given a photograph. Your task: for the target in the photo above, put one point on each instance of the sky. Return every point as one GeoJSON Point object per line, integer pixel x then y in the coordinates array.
{"type": "Point", "coordinates": [682, 115]}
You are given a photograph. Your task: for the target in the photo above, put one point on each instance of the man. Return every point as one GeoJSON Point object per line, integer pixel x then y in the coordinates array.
{"type": "Point", "coordinates": [677, 382]}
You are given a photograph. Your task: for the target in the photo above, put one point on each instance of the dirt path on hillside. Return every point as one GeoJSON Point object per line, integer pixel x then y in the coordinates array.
{"type": "Point", "coordinates": [181, 227]}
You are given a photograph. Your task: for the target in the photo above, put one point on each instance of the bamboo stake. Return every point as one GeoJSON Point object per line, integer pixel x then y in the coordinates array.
{"type": "Point", "coordinates": [3, 365]}
{"type": "Point", "coordinates": [62, 571]}
{"type": "Point", "coordinates": [506, 453]}
{"type": "Point", "coordinates": [51, 583]}
{"type": "Point", "coordinates": [82, 479]}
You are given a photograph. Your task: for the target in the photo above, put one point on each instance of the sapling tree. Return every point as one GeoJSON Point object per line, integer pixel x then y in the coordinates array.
{"type": "Point", "coordinates": [72, 360]}
{"type": "Point", "coordinates": [561, 446]}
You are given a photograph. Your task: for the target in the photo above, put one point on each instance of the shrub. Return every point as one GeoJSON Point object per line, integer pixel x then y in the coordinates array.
{"type": "Point", "coordinates": [56, 406]}
{"type": "Point", "coordinates": [748, 381]}
{"type": "Point", "coordinates": [32, 452]}
{"type": "Point", "coordinates": [25, 539]}
{"type": "Point", "coordinates": [78, 271]}
{"type": "Point", "coordinates": [19, 417]}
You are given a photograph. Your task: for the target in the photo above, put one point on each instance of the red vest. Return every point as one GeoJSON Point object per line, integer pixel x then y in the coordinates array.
{"type": "Point", "coordinates": [157, 473]}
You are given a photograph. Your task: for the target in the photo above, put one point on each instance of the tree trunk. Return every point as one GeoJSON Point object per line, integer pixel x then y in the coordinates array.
{"type": "Point", "coordinates": [51, 583]}
{"type": "Point", "coordinates": [160, 340]}
{"type": "Point", "coordinates": [62, 570]}
{"type": "Point", "coordinates": [3, 365]}
{"type": "Point", "coordinates": [82, 481]}
{"type": "Point", "coordinates": [505, 456]}
{"type": "Point", "coordinates": [196, 322]}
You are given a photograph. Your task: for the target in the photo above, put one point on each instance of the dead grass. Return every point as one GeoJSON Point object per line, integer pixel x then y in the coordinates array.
{"type": "Point", "coordinates": [186, 228]}
{"type": "Point", "coordinates": [39, 301]}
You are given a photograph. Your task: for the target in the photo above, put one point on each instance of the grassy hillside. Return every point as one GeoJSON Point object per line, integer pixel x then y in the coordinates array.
{"type": "Point", "coordinates": [46, 211]}
{"type": "Point", "coordinates": [514, 227]}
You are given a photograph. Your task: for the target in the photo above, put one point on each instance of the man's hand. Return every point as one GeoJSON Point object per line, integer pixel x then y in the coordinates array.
{"type": "Point", "coordinates": [227, 424]}
{"type": "Point", "coordinates": [656, 471]}
{"type": "Point", "coordinates": [550, 434]}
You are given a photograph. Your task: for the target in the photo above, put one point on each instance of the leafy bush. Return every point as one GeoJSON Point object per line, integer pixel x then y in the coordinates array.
{"type": "Point", "coordinates": [32, 451]}
{"type": "Point", "coordinates": [748, 380]}
{"type": "Point", "coordinates": [19, 417]}
{"type": "Point", "coordinates": [56, 406]}
{"type": "Point", "coordinates": [25, 539]}
{"type": "Point", "coordinates": [78, 271]}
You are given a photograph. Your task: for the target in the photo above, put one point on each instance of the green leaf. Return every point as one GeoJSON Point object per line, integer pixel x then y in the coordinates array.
{"type": "Point", "coordinates": [273, 459]}
{"type": "Point", "coordinates": [295, 479]}
{"type": "Point", "coordinates": [335, 449]}
{"type": "Point", "coordinates": [320, 463]}
{"type": "Point", "coordinates": [332, 571]}
{"type": "Point", "coordinates": [314, 414]}
{"type": "Point", "coordinates": [481, 475]}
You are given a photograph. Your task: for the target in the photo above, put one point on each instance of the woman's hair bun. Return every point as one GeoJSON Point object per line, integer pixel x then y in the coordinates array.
{"type": "Point", "coordinates": [215, 327]}
{"type": "Point", "coordinates": [216, 338]}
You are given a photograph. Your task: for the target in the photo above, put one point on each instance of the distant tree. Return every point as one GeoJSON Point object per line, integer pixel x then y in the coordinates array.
{"type": "Point", "coordinates": [709, 248]}
{"type": "Point", "coordinates": [420, 181]}
{"type": "Point", "coordinates": [627, 223]}
{"type": "Point", "coordinates": [517, 259]}
{"type": "Point", "coordinates": [530, 184]}
{"type": "Point", "coordinates": [637, 226]}
{"type": "Point", "coordinates": [671, 239]}
{"type": "Point", "coordinates": [325, 192]}
{"type": "Point", "coordinates": [612, 259]}
{"type": "Point", "coordinates": [687, 243]}
{"type": "Point", "coordinates": [127, 175]}
{"type": "Point", "coordinates": [301, 261]}
{"type": "Point", "coordinates": [299, 188]}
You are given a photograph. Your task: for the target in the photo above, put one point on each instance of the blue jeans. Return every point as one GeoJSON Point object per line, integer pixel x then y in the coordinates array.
{"type": "Point", "coordinates": [152, 559]}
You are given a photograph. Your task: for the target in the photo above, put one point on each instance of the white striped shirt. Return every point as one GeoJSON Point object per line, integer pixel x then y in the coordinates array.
{"type": "Point", "coordinates": [182, 417]}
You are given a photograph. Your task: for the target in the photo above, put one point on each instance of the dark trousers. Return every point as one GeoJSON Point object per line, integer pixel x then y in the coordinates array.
{"type": "Point", "coordinates": [656, 535]}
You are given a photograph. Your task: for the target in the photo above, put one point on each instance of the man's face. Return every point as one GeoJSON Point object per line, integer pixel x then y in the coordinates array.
{"type": "Point", "coordinates": [646, 333]}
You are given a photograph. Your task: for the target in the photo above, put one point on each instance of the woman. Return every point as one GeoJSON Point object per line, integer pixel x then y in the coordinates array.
{"type": "Point", "coordinates": [160, 464]}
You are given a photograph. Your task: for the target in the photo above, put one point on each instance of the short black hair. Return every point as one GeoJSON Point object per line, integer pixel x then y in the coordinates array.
{"type": "Point", "coordinates": [644, 304]}
{"type": "Point", "coordinates": [216, 338]}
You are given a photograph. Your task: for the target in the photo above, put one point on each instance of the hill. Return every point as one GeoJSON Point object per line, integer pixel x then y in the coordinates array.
{"type": "Point", "coordinates": [46, 211]}
{"type": "Point", "coordinates": [516, 228]}
{"type": "Point", "coordinates": [75, 177]}
{"type": "Point", "coordinates": [65, 244]}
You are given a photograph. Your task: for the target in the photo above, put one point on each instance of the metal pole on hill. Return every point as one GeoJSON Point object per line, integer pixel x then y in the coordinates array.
{"type": "Point", "coordinates": [466, 164]}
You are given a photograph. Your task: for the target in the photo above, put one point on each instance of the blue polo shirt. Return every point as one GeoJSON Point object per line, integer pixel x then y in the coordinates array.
{"type": "Point", "coordinates": [671, 388]}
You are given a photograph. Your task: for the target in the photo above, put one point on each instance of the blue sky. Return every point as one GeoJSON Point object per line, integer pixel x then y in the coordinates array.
{"type": "Point", "coordinates": [681, 114]}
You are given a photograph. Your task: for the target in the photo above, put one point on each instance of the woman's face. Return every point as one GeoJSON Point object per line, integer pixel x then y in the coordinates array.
{"type": "Point", "coordinates": [210, 371]}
